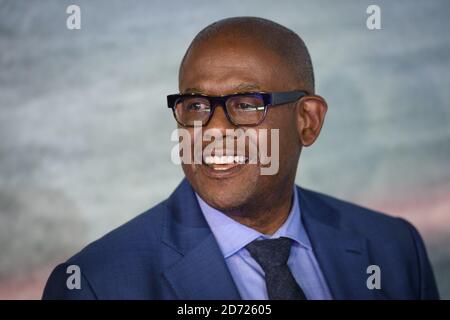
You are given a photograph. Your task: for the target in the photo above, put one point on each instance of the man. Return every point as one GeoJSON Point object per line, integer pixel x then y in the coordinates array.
{"type": "Point", "coordinates": [231, 232]}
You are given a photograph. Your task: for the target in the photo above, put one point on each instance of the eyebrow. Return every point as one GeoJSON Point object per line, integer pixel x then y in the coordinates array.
{"type": "Point", "coordinates": [238, 88]}
{"type": "Point", "coordinates": [192, 90]}
{"type": "Point", "coordinates": [247, 86]}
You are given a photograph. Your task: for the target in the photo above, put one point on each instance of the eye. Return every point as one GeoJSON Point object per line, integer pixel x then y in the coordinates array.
{"type": "Point", "coordinates": [249, 107]}
{"type": "Point", "coordinates": [196, 107]}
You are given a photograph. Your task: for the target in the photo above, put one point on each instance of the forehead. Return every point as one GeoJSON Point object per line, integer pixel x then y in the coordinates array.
{"type": "Point", "coordinates": [224, 67]}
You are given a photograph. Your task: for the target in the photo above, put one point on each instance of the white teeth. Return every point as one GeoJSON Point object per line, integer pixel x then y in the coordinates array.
{"type": "Point", "coordinates": [224, 159]}
{"type": "Point", "coordinates": [239, 159]}
{"type": "Point", "coordinates": [209, 160]}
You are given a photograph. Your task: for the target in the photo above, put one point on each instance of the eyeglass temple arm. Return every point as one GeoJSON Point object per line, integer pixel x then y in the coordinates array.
{"type": "Point", "coordinates": [285, 97]}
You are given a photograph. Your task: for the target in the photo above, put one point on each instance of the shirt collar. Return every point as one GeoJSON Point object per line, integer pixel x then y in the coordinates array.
{"type": "Point", "coordinates": [233, 236]}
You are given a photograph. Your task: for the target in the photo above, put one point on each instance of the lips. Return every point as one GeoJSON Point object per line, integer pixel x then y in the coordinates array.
{"type": "Point", "coordinates": [217, 166]}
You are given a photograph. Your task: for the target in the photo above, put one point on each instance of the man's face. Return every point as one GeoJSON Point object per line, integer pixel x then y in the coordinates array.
{"type": "Point", "coordinates": [220, 68]}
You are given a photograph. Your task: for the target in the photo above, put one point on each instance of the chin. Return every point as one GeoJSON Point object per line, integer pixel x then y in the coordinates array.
{"type": "Point", "coordinates": [224, 194]}
{"type": "Point", "coordinates": [224, 203]}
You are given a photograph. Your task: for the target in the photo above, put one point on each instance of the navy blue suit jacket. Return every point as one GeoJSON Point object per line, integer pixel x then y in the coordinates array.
{"type": "Point", "coordinates": [169, 252]}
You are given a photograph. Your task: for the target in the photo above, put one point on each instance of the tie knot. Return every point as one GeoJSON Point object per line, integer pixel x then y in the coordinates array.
{"type": "Point", "coordinates": [270, 252]}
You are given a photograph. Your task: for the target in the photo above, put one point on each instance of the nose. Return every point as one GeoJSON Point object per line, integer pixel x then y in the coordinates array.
{"type": "Point", "coordinates": [219, 119]}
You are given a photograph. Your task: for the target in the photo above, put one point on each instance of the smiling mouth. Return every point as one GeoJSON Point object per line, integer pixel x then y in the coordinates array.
{"type": "Point", "coordinates": [223, 165]}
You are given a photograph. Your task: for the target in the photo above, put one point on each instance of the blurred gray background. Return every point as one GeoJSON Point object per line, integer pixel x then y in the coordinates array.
{"type": "Point", "coordinates": [85, 132]}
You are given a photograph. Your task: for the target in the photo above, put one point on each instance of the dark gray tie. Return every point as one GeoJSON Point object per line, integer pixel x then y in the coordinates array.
{"type": "Point", "coordinates": [272, 255]}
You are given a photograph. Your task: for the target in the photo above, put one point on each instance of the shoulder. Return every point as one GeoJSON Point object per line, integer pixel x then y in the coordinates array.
{"type": "Point", "coordinates": [128, 238]}
{"type": "Point", "coordinates": [362, 220]}
{"type": "Point", "coordinates": [391, 241]}
{"type": "Point", "coordinates": [394, 244]}
{"type": "Point", "coordinates": [126, 254]}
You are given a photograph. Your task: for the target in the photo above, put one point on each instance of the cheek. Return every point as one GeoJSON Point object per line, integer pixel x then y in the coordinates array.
{"type": "Point", "coordinates": [284, 121]}
{"type": "Point", "coordinates": [190, 170]}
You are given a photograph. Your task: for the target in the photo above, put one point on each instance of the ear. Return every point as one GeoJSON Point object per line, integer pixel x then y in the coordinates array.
{"type": "Point", "coordinates": [310, 113]}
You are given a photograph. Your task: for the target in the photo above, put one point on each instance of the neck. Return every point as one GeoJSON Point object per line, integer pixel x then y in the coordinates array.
{"type": "Point", "coordinates": [267, 216]}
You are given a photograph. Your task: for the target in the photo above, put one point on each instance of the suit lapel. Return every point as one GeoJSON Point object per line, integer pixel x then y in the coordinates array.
{"type": "Point", "coordinates": [200, 272]}
{"type": "Point", "coordinates": [342, 254]}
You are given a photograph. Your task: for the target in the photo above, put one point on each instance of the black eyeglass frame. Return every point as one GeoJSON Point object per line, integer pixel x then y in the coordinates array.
{"type": "Point", "coordinates": [270, 99]}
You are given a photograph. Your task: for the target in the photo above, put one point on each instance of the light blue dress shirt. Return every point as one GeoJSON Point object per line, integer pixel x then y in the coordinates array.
{"type": "Point", "coordinates": [248, 275]}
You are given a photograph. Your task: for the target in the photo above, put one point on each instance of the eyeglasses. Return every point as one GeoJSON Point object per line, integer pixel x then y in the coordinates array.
{"type": "Point", "coordinates": [241, 109]}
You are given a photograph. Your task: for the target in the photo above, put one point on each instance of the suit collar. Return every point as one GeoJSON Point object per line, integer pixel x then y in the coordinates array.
{"type": "Point", "coordinates": [233, 236]}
